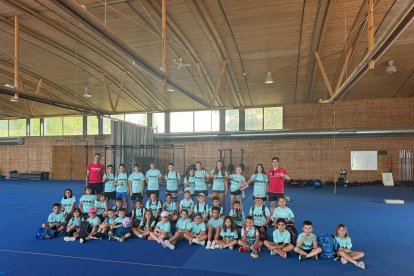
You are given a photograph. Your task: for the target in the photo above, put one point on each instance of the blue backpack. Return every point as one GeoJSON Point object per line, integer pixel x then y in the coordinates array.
{"type": "Point", "coordinates": [328, 245]}
{"type": "Point", "coordinates": [45, 234]}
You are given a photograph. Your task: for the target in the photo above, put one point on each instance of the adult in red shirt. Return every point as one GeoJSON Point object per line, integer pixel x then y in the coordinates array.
{"type": "Point", "coordinates": [94, 173]}
{"type": "Point", "coordinates": [277, 176]}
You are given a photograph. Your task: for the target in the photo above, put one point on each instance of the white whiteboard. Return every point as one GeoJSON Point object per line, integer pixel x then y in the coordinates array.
{"type": "Point", "coordinates": [364, 160]}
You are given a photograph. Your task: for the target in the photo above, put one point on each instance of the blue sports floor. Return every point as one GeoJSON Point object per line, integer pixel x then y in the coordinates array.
{"type": "Point", "coordinates": [383, 232]}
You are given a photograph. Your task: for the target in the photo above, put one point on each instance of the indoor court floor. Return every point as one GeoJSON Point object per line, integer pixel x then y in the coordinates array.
{"type": "Point", "coordinates": [384, 232]}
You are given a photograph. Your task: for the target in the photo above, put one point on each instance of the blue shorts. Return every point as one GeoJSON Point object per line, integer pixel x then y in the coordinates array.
{"type": "Point", "coordinates": [122, 231]}
{"type": "Point", "coordinates": [122, 195]}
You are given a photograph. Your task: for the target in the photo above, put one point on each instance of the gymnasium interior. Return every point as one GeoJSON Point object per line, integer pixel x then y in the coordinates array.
{"type": "Point", "coordinates": [327, 86]}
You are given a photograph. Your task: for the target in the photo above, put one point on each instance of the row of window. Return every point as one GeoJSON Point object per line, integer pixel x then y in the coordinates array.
{"type": "Point", "coordinates": [192, 121]}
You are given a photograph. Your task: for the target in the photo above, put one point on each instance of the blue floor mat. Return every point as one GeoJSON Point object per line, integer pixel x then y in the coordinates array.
{"type": "Point", "coordinates": [382, 231]}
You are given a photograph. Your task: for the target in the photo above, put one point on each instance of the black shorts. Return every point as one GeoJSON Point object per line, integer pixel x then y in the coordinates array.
{"type": "Point", "coordinates": [307, 251]}
{"type": "Point", "coordinates": [263, 198]}
{"type": "Point", "coordinates": [236, 193]}
{"type": "Point", "coordinates": [205, 192]}
{"type": "Point", "coordinates": [110, 195]}
{"type": "Point", "coordinates": [156, 192]}
{"type": "Point", "coordinates": [274, 196]}
{"type": "Point", "coordinates": [137, 197]}
{"type": "Point", "coordinates": [219, 191]}
{"type": "Point", "coordinates": [97, 188]}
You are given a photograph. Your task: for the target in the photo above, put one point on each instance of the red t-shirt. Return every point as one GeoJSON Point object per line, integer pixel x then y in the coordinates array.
{"type": "Point", "coordinates": [276, 182]}
{"type": "Point", "coordinates": [95, 173]}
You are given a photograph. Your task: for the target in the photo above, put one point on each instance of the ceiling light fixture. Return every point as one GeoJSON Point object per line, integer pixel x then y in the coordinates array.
{"type": "Point", "coordinates": [15, 98]}
{"type": "Point", "coordinates": [391, 69]}
{"type": "Point", "coordinates": [86, 93]}
{"type": "Point", "coordinates": [269, 78]}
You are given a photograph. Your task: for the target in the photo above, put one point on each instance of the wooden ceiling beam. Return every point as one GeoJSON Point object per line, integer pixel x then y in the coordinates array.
{"type": "Point", "coordinates": [371, 30]}
{"type": "Point", "coordinates": [39, 85]}
{"type": "Point", "coordinates": [343, 70]}
{"type": "Point", "coordinates": [325, 77]}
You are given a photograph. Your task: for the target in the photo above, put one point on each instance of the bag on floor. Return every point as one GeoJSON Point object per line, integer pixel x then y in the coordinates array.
{"type": "Point", "coordinates": [45, 234]}
{"type": "Point", "coordinates": [84, 229]}
{"type": "Point", "coordinates": [293, 233]}
{"type": "Point", "coordinates": [328, 245]}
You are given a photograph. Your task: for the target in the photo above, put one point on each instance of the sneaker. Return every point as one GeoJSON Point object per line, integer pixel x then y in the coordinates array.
{"type": "Point", "coordinates": [66, 239]}
{"type": "Point", "coordinates": [122, 239]}
{"type": "Point", "coordinates": [343, 260]}
{"type": "Point", "coordinates": [231, 247]}
{"type": "Point", "coordinates": [191, 242]}
{"type": "Point", "coordinates": [72, 239]}
{"type": "Point", "coordinates": [139, 236]}
{"type": "Point", "coordinates": [81, 240]}
{"type": "Point", "coordinates": [110, 236]}
{"type": "Point", "coordinates": [244, 249]}
{"type": "Point", "coordinates": [272, 252]}
{"type": "Point", "coordinates": [95, 238]}
{"type": "Point", "coordinates": [208, 246]}
{"type": "Point", "coordinates": [213, 245]}
{"type": "Point", "coordinates": [254, 254]}
{"type": "Point", "coordinates": [360, 265]}
{"type": "Point", "coordinates": [316, 257]}
{"type": "Point", "coordinates": [337, 259]}
{"type": "Point", "coordinates": [258, 249]}
{"type": "Point", "coordinates": [218, 246]}
{"type": "Point", "coordinates": [163, 243]}
{"type": "Point", "coordinates": [283, 255]}
{"type": "Point", "coordinates": [202, 243]}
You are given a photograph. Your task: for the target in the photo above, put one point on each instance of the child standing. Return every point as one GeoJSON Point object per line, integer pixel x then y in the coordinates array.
{"type": "Point", "coordinates": [119, 229]}
{"type": "Point", "coordinates": [249, 240]}
{"type": "Point", "coordinates": [86, 202]}
{"type": "Point", "coordinates": [56, 220]}
{"type": "Point", "coordinates": [136, 185]}
{"type": "Point", "coordinates": [89, 227]}
{"type": "Point", "coordinates": [137, 213]}
{"type": "Point", "coordinates": [219, 176]}
{"type": "Point", "coordinates": [73, 226]}
{"type": "Point", "coordinates": [173, 179]}
{"type": "Point", "coordinates": [170, 207]}
{"type": "Point", "coordinates": [261, 215]}
{"type": "Point", "coordinates": [216, 203]}
{"type": "Point", "coordinates": [187, 203]}
{"type": "Point", "coordinates": [214, 227]}
{"type": "Point", "coordinates": [197, 233]}
{"type": "Point", "coordinates": [260, 180]}
{"type": "Point", "coordinates": [237, 184]}
{"type": "Point", "coordinates": [306, 244]}
{"type": "Point", "coordinates": [238, 216]}
{"type": "Point", "coordinates": [153, 177]}
{"type": "Point", "coordinates": [202, 207]}
{"type": "Point", "coordinates": [228, 234]}
{"type": "Point", "coordinates": [108, 179]}
{"type": "Point", "coordinates": [281, 240]}
{"type": "Point", "coordinates": [183, 226]}
{"type": "Point", "coordinates": [68, 203]}
{"type": "Point", "coordinates": [284, 212]}
{"type": "Point", "coordinates": [200, 178]}
{"type": "Point", "coordinates": [146, 225]}
{"type": "Point", "coordinates": [345, 245]}
{"type": "Point", "coordinates": [154, 205]}
{"type": "Point", "coordinates": [121, 183]}
{"type": "Point", "coordinates": [162, 230]}
{"type": "Point", "coordinates": [189, 182]}
{"type": "Point", "coordinates": [101, 206]}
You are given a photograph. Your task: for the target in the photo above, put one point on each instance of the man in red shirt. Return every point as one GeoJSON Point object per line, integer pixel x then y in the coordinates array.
{"type": "Point", "coordinates": [277, 176]}
{"type": "Point", "coordinates": [94, 173]}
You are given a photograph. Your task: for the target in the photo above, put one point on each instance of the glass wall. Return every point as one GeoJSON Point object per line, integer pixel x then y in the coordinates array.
{"type": "Point", "coordinates": [254, 118]}
{"type": "Point", "coordinates": [53, 126]}
{"type": "Point", "coordinates": [232, 120]}
{"type": "Point", "coordinates": [92, 123]}
{"type": "Point", "coordinates": [206, 120]}
{"type": "Point", "coordinates": [273, 117]}
{"type": "Point", "coordinates": [181, 121]}
{"type": "Point", "coordinates": [17, 127]}
{"type": "Point", "coordinates": [4, 128]}
{"type": "Point", "coordinates": [72, 125]}
{"type": "Point", "coordinates": [34, 127]}
{"type": "Point", "coordinates": [158, 122]}
{"type": "Point", "coordinates": [140, 119]}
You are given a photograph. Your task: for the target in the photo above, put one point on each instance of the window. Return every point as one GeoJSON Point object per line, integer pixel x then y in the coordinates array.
{"type": "Point", "coordinates": [106, 125]}
{"type": "Point", "coordinates": [158, 122]}
{"type": "Point", "coordinates": [232, 120]}
{"type": "Point", "coordinates": [254, 118]}
{"type": "Point", "coordinates": [53, 126]}
{"type": "Point", "coordinates": [34, 127]}
{"type": "Point", "coordinates": [206, 120]}
{"type": "Point", "coordinates": [92, 123]}
{"type": "Point", "coordinates": [181, 121]}
{"type": "Point", "coordinates": [140, 119]}
{"type": "Point", "coordinates": [120, 117]}
{"type": "Point", "coordinates": [273, 117]}
{"type": "Point", "coordinates": [17, 127]}
{"type": "Point", "coordinates": [73, 125]}
{"type": "Point", "coordinates": [4, 128]}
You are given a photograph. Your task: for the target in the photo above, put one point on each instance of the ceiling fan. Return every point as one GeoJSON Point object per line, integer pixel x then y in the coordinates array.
{"type": "Point", "coordinates": [180, 64]}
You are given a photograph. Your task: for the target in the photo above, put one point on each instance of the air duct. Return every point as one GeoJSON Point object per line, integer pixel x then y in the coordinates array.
{"type": "Point", "coordinates": [12, 141]}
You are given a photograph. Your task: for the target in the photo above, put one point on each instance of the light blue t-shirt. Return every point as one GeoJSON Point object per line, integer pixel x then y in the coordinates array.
{"type": "Point", "coordinates": [138, 213]}
{"type": "Point", "coordinates": [344, 242]}
{"type": "Point", "coordinates": [186, 204]}
{"type": "Point", "coordinates": [94, 221]}
{"type": "Point", "coordinates": [260, 181]}
{"type": "Point", "coordinates": [197, 228]}
{"type": "Point", "coordinates": [285, 213]}
{"type": "Point", "coordinates": [221, 210]}
{"type": "Point", "coordinates": [153, 179]}
{"type": "Point", "coordinates": [228, 234]}
{"type": "Point", "coordinates": [183, 224]}
{"type": "Point", "coordinates": [67, 204]}
{"type": "Point", "coordinates": [215, 222]}
{"type": "Point", "coordinates": [172, 179]}
{"type": "Point", "coordinates": [191, 184]}
{"type": "Point", "coordinates": [251, 234]}
{"type": "Point", "coordinates": [119, 220]}
{"type": "Point", "coordinates": [170, 208]}
{"type": "Point", "coordinates": [144, 225]}
{"type": "Point", "coordinates": [88, 202]}
{"type": "Point", "coordinates": [238, 217]}
{"type": "Point", "coordinates": [257, 213]}
{"type": "Point", "coordinates": [110, 220]}
{"type": "Point", "coordinates": [166, 227]}
{"type": "Point", "coordinates": [58, 218]}
{"type": "Point", "coordinates": [218, 181]}
{"type": "Point", "coordinates": [153, 206]}
{"type": "Point", "coordinates": [136, 179]}
{"type": "Point", "coordinates": [201, 208]}
{"type": "Point", "coordinates": [281, 237]}
{"type": "Point", "coordinates": [123, 178]}
{"type": "Point", "coordinates": [235, 182]}
{"type": "Point", "coordinates": [307, 244]}
{"type": "Point", "coordinates": [75, 221]}
{"type": "Point", "coordinates": [100, 207]}
{"type": "Point", "coordinates": [200, 180]}
{"type": "Point", "coordinates": [109, 183]}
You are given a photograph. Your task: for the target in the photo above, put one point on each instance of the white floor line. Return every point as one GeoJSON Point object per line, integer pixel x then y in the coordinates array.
{"type": "Point", "coordinates": [85, 258]}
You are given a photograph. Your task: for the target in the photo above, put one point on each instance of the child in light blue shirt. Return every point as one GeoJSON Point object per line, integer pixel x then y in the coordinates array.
{"type": "Point", "coordinates": [170, 207]}
{"type": "Point", "coordinates": [86, 202]}
{"type": "Point", "coordinates": [306, 244]}
{"type": "Point", "coordinates": [228, 234]}
{"type": "Point", "coordinates": [214, 227]}
{"type": "Point", "coordinates": [345, 245]}
{"type": "Point", "coordinates": [109, 179]}
{"type": "Point", "coordinates": [187, 203]}
{"type": "Point", "coordinates": [249, 238]}
{"type": "Point", "coordinates": [173, 179]}
{"type": "Point", "coordinates": [73, 226]}
{"type": "Point", "coordinates": [197, 233]}
{"type": "Point", "coordinates": [121, 184]}
{"type": "Point", "coordinates": [154, 205]}
{"type": "Point", "coordinates": [68, 202]}
{"type": "Point", "coordinates": [56, 220]}
{"type": "Point", "coordinates": [153, 178]}
{"type": "Point", "coordinates": [120, 229]}
{"type": "Point", "coordinates": [183, 226]}
{"type": "Point", "coordinates": [281, 240]}
{"type": "Point", "coordinates": [162, 230]}
{"type": "Point", "coordinates": [136, 185]}
{"type": "Point", "coordinates": [189, 182]}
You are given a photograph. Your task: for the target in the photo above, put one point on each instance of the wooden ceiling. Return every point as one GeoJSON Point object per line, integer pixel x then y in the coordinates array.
{"type": "Point", "coordinates": [228, 44]}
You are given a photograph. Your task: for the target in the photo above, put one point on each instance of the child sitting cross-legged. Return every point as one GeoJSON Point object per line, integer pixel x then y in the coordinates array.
{"type": "Point", "coordinates": [197, 233]}
{"type": "Point", "coordinates": [146, 226]}
{"type": "Point", "coordinates": [228, 234]}
{"type": "Point", "coordinates": [183, 226]}
{"type": "Point", "coordinates": [249, 239]}
{"type": "Point", "coordinates": [56, 220]}
{"type": "Point", "coordinates": [306, 244]}
{"type": "Point", "coordinates": [281, 240]}
{"type": "Point", "coordinates": [105, 225]}
{"type": "Point", "coordinates": [162, 230]}
{"type": "Point", "coordinates": [120, 229]}
{"type": "Point", "coordinates": [73, 226]}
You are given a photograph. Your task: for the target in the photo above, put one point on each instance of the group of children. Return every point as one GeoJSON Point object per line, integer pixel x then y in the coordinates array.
{"type": "Point", "coordinates": [198, 223]}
